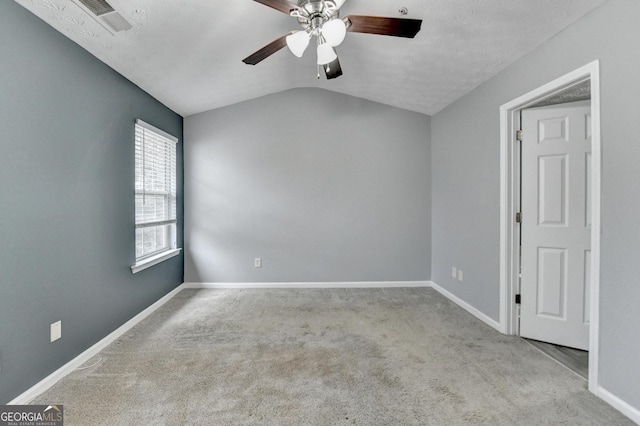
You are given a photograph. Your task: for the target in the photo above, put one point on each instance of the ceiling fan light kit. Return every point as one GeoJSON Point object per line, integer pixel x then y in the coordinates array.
{"type": "Point", "coordinates": [298, 42]}
{"type": "Point", "coordinates": [334, 31]}
{"type": "Point", "coordinates": [326, 54]}
{"type": "Point", "coordinates": [321, 18]}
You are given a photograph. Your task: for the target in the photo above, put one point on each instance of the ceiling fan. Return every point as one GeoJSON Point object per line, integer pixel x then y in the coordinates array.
{"type": "Point", "coordinates": [321, 18]}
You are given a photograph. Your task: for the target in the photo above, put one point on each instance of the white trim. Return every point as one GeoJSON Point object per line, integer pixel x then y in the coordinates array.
{"type": "Point", "coordinates": [596, 229]}
{"type": "Point", "coordinates": [620, 405]}
{"type": "Point", "coordinates": [467, 307]}
{"type": "Point", "coordinates": [508, 197]}
{"type": "Point", "coordinates": [353, 284]}
{"type": "Point", "coordinates": [156, 130]}
{"type": "Point", "coordinates": [509, 206]}
{"type": "Point", "coordinates": [42, 386]}
{"type": "Point", "coordinates": [154, 260]}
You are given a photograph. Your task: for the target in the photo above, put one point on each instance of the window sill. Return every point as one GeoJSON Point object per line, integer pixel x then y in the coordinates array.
{"type": "Point", "coordinates": [154, 260]}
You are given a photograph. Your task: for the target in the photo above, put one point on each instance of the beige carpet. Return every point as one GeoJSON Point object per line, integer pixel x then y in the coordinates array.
{"type": "Point", "coordinates": [323, 357]}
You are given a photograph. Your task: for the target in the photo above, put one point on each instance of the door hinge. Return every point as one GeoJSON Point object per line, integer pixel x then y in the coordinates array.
{"type": "Point", "coordinates": [518, 217]}
{"type": "Point", "coordinates": [519, 135]}
{"type": "Point", "coordinates": [517, 299]}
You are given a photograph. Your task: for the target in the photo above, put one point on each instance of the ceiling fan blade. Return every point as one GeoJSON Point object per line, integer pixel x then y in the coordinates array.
{"type": "Point", "coordinates": [397, 27]}
{"type": "Point", "coordinates": [333, 69]}
{"type": "Point", "coordinates": [267, 51]}
{"type": "Point", "coordinates": [283, 6]}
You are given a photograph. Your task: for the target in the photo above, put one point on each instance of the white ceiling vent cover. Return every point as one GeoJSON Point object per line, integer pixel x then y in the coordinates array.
{"type": "Point", "coordinates": [97, 7]}
{"type": "Point", "coordinates": [105, 14]}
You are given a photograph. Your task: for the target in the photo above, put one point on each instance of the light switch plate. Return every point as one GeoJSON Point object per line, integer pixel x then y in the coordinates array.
{"type": "Point", "coordinates": [56, 331]}
{"type": "Point", "coordinates": [460, 275]}
{"type": "Point", "coordinates": [454, 272]}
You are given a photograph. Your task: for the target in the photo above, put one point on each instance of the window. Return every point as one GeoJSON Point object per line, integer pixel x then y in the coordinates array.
{"type": "Point", "coordinates": [155, 196]}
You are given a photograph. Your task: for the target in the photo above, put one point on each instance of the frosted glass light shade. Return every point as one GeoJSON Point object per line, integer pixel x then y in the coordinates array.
{"type": "Point", "coordinates": [298, 42]}
{"type": "Point", "coordinates": [334, 32]}
{"type": "Point", "coordinates": [326, 54]}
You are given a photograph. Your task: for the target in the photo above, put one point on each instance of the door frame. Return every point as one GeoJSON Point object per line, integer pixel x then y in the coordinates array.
{"type": "Point", "coordinates": [510, 204]}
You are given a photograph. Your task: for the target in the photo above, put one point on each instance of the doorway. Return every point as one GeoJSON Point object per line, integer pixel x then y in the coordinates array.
{"type": "Point", "coordinates": [510, 204]}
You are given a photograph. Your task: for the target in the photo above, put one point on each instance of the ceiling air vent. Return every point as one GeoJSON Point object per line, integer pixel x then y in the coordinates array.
{"type": "Point", "coordinates": [105, 14]}
{"type": "Point", "coordinates": [97, 7]}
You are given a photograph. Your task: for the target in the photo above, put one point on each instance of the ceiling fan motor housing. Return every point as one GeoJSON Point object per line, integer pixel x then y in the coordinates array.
{"type": "Point", "coordinates": [317, 13]}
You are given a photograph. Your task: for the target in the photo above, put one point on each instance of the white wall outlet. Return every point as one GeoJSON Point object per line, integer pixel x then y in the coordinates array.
{"type": "Point", "coordinates": [257, 262]}
{"type": "Point", "coordinates": [56, 331]}
{"type": "Point", "coordinates": [460, 275]}
{"type": "Point", "coordinates": [454, 272]}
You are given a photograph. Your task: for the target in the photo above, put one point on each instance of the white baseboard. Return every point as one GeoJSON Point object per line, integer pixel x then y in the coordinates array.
{"type": "Point", "coordinates": [355, 284]}
{"type": "Point", "coordinates": [40, 387]}
{"type": "Point", "coordinates": [611, 399]}
{"type": "Point", "coordinates": [467, 307]}
{"type": "Point", "coordinates": [620, 405]}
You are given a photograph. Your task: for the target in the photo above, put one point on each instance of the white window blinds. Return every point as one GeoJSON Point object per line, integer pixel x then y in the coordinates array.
{"type": "Point", "coordinates": [155, 190]}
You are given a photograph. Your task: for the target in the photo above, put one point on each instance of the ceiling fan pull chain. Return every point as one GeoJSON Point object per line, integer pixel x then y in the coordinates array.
{"type": "Point", "coordinates": [318, 65]}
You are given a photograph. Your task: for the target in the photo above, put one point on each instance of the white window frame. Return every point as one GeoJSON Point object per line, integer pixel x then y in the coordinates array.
{"type": "Point", "coordinates": [170, 224]}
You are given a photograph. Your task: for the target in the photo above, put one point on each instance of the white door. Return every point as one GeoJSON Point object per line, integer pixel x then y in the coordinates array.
{"type": "Point", "coordinates": [556, 224]}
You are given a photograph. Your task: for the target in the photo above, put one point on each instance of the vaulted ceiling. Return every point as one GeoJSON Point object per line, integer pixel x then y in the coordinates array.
{"type": "Point", "coordinates": [188, 53]}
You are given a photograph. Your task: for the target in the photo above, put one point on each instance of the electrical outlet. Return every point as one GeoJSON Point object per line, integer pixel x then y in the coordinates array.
{"type": "Point", "coordinates": [257, 262]}
{"type": "Point", "coordinates": [454, 272]}
{"type": "Point", "coordinates": [460, 275]}
{"type": "Point", "coordinates": [56, 331]}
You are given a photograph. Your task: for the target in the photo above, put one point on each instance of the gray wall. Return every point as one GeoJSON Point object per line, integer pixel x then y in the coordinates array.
{"type": "Point", "coordinates": [66, 200]}
{"type": "Point", "coordinates": [466, 181]}
{"type": "Point", "coordinates": [323, 187]}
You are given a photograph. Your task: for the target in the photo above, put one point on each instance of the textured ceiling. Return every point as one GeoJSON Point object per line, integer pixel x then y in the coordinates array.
{"type": "Point", "coordinates": [188, 53]}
